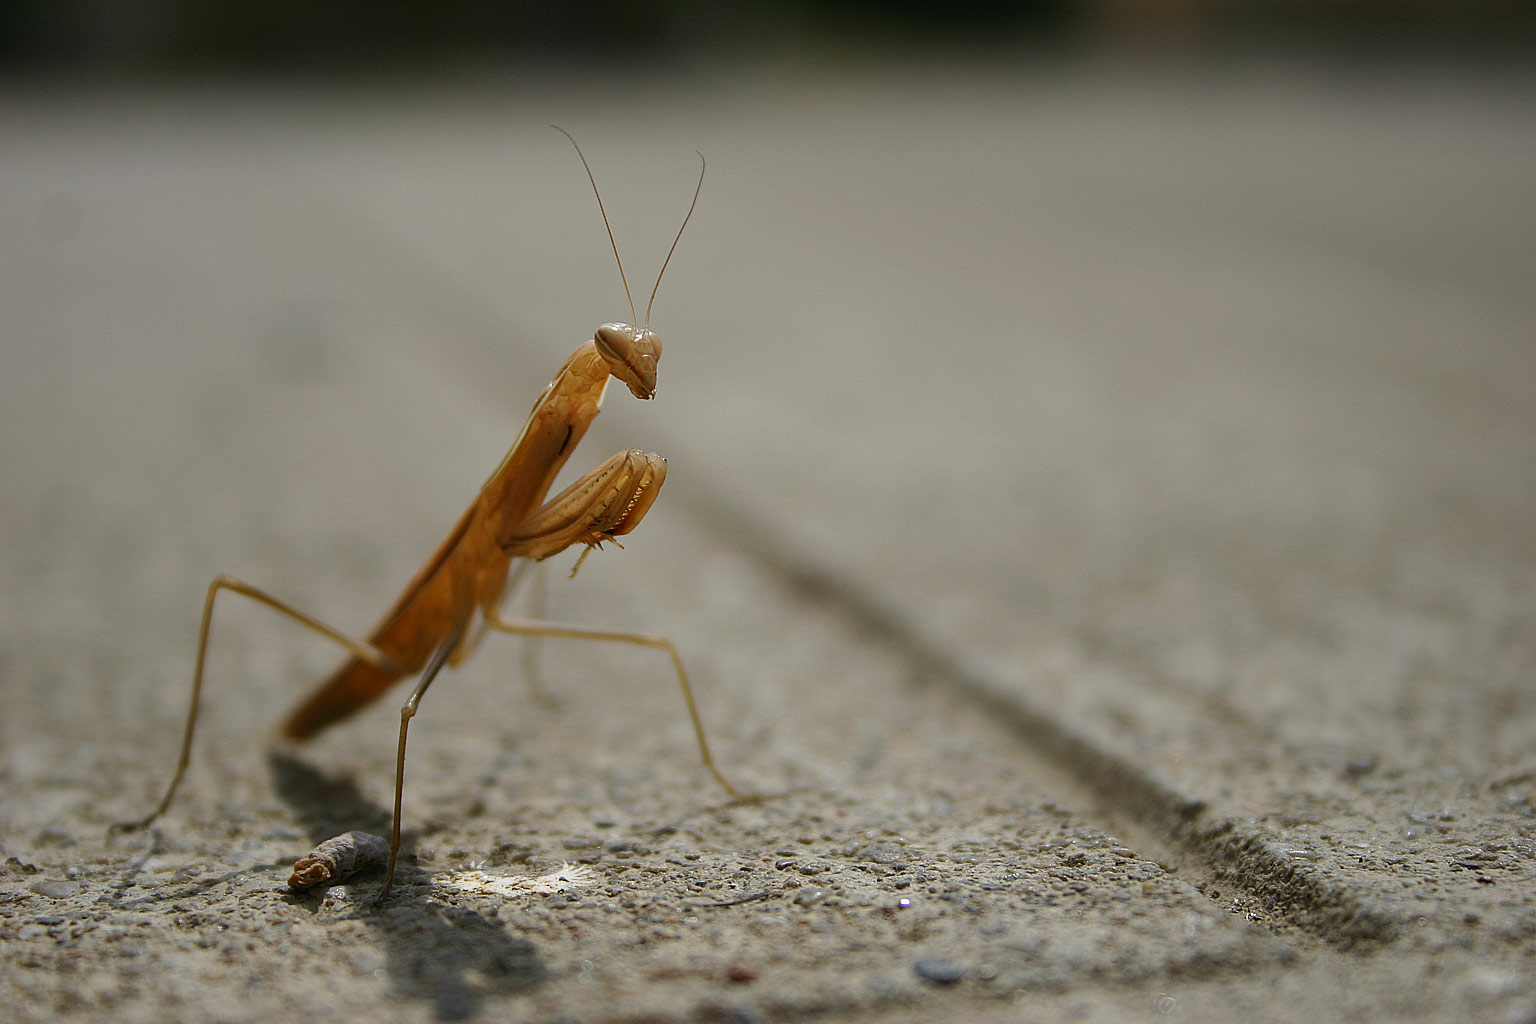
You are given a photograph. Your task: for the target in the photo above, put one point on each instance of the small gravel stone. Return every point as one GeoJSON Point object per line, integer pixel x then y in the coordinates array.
{"type": "Point", "coordinates": [938, 970]}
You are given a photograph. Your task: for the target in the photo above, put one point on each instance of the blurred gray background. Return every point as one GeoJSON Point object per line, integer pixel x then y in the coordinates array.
{"type": "Point", "coordinates": [1100, 515]}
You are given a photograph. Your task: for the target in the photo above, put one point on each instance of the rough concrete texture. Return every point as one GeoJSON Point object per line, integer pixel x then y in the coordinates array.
{"type": "Point", "coordinates": [1099, 526]}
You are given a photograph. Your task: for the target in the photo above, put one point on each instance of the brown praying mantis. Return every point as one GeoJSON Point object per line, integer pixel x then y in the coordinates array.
{"type": "Point", "coordinates": [454, 599]}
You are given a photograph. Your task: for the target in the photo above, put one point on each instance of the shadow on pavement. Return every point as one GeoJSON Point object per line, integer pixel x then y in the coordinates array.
{"type": "Point", "coordinates": [452, 957]}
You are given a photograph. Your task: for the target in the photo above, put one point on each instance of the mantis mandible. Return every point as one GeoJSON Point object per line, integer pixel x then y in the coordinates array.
{"type": "Point", "coordinates": [454, 599]}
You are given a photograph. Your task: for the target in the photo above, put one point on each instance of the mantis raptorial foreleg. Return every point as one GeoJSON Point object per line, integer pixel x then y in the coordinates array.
{"type": "Point", "coordinates": [606, 501]}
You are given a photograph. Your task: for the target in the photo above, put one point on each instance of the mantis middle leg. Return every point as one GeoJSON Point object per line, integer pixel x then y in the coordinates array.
{"type": "Point", "coordinates": [518, 627]}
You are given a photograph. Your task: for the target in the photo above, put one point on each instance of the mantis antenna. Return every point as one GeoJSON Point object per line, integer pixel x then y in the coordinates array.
{"type": "Point", "coordinates": [696, 189]}
{"type": "Point", "coordinates": [606, 226]}
{"type": "Point", "coordinates": [609, 228]}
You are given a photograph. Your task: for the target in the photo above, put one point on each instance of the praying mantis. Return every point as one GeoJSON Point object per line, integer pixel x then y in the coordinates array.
{"type": "Point", "coordinates": [454, 599]}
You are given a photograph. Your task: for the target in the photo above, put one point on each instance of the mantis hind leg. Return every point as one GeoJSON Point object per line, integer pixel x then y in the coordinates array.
{"type": "Point", "coordinates": [358, 648]}
{"type": "Point", "coordinates": [653, 640]}
{"type": "Point", "coordinates": [407, 712]}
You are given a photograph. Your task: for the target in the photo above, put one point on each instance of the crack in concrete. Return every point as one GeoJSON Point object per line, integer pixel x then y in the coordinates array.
{"type": "Point", "coordinates": [1225, 850]}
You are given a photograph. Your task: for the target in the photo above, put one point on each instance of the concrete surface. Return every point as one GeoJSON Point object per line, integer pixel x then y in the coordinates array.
{"type": "Point", "coordinates": [1099, 522]}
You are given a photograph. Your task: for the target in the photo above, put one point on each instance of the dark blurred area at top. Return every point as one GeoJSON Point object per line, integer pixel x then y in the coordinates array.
{"type": "Point", "coordinates": [149, 39]}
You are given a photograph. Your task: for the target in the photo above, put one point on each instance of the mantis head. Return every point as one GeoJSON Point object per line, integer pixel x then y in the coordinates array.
{"type": "Point", "coordinates": [632, 354]}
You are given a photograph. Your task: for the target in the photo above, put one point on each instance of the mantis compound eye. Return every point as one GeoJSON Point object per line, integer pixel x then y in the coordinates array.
{"type": "Point", "coordinates": [616, 341]}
